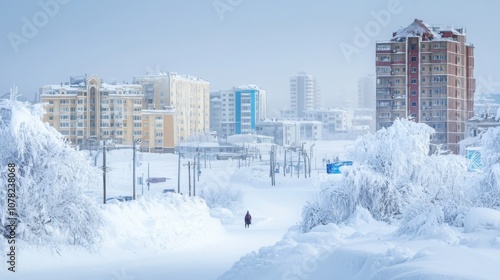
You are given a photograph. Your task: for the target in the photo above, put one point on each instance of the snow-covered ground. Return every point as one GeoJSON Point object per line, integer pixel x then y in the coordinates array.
{"type": "Point", "coordinates": [171, 236]}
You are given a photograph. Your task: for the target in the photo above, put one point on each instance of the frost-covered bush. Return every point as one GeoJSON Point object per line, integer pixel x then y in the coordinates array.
{"type": "Point", "coordinates": [225, 203]}
{"type": "Point", "coordinates": [219, 196]}
{"type": "Point", "coordinates": [51, 178]}
{"type": "Point", "coordinates": [489, 195]}
{"type": "Point", "coordinates": [392, 176]}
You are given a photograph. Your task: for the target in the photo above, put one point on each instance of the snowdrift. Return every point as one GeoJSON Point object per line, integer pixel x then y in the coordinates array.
{"type": "Point", "coordinates": [157, 223]}
{"type": "Point", "coordinates": [363, 248]}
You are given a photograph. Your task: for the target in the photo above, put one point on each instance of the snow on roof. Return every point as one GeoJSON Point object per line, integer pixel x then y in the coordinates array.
{"type": "Point", "coordinates": [427, 32]}
{"type": "Point", "coordinates": [248, 86]}
{"type": "Point", "coordinates": [161, 75]}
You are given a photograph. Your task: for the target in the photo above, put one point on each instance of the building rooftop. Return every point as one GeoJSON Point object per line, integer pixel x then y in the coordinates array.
{"type": "Point", "coordinates": [161, 75]}
{"type": "Point", "coordinates": [428, 32]}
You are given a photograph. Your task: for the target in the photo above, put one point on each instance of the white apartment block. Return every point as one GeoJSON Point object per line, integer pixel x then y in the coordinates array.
{"type": "Point", "coordinates": [304, 94]}
{"type": "Point", "coordinates": [188, 95]}
{"type": "Point", "coordinates": [290, 133]}
{"type": "Point", "coordinates": [334, 120]}
{"type": "Point", "coordinates": [237, 110]}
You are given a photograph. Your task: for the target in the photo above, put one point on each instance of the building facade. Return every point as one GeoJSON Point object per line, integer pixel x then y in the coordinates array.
{"type": "Point", "coordinates": [237, 110]}
{"type": "Point", "coordinates": [158, 131]}
{"type": "Point", "coordinates": [334, 120]}
{"type": "Point", "coordinates": [304, 94]}
{"type": "Point", "coordinates": [426, 73]}
{"type": "Point", "coordinates": [290, 133]}
{"type": "Point", "coordinates": [88, 110]}
{"type": "Point", "coordinates": [188, 96]}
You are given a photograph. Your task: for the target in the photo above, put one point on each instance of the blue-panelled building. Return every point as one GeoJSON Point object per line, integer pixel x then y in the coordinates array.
{"type": "Point", "coordinates": [237, 110]}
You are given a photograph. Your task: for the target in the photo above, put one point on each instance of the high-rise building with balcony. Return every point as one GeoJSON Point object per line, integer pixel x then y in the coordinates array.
{"type": "Point", "coordinates": [304, 94]}
{"type": "Point", "coordinates": [237, 110]}
{"type": "Point", "coordinates": [426, 73]}
{"type": "Point", "coordinates": [88, 109]}
{"type": "Point", "coordinates": [188, 96]}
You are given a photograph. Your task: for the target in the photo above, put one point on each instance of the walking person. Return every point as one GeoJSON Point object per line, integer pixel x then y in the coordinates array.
{"type": "Point", "coordinates": [248, 220]}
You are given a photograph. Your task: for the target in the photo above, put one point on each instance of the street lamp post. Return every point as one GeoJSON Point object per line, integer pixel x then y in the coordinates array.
{"type": "Point", "coordinates": [133, 167]}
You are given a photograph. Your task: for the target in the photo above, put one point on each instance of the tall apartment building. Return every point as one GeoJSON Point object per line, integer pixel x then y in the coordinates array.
{"type": "Point", "coordinates": [88, 109]}
{"type": "Point", "coordinates": [304, 94]}
{"type": "Point", "coordinates": [237, 110]}
{"type": "Point", "coordinates": [426, 73]}
{"type": "Point", "coordinates": [188, 96]}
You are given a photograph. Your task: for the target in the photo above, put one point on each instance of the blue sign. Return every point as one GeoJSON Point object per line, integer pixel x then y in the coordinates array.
{"type": "Point", "coordinates": [334, 168]}
{"type": "Point", "coordinates": [473, 159]}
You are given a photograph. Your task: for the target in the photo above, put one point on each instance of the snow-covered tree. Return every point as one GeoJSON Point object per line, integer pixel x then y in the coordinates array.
{"type": "Point", "coordinates": [489, 195]}
{"type": "Point", "coordinates": [51, 178]}
{"type": "Point", "coordinates": [392, 176]}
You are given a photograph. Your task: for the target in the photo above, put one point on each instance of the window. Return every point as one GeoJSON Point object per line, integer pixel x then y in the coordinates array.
{"type": "Point", "coordinates": [413, 104]}
{"type": "Point", "coordinates": [413, 81]}
{"type": "Point", "coordinates": [413, 58]}
{"type": "Point", "coordinates": [414, 69]}
{"type": "Point", "coordinates": [413, 92]}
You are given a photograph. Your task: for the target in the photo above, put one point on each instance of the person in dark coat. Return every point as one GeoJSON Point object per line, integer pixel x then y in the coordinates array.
{"type": "Point", "coordinates": [248, 220]}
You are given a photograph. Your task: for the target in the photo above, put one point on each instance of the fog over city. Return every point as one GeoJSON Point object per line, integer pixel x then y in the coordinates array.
{"type": "Point", "coordinates": [242, 140]}
{"type": "Point", "coordinates": [226, 42]}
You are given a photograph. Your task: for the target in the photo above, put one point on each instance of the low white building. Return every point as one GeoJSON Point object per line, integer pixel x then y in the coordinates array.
{"type": "Point", "coordinates": [334, 120]}
{"type": "Point", "coordinates": [290, 133]}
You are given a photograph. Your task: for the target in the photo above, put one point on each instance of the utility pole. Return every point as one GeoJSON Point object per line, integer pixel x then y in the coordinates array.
{"type": "Point", "coordinates": [205, 156]}
{"type": "Point", "coordinates": [298, 165]}
{"type": "Point", "coordinates": [305, 163]}
{"type": "Point", "coordinates": [104, 171]}
{"type": "Point", "coordinates": [133, 167]}
{"type": "Point", "coordinates": [284, 164]}
{"type": "Point", "coordinates": [189, 176]}
{"type": "Point", "coordinates": [148, 176]}
{"type": "Point", "coordinates": [194, 175]}
{"type": "Point", "coordinates": [291, 164]}
{"type": "Point", "coordinates": [198, 167]}
{"type": "Point", "coordinates": [179, 171]}
{"type": "Point", "coordinates": [272, 170]}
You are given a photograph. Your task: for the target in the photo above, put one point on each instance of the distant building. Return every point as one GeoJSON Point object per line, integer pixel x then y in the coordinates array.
{"type": "Point", "coordinates": [333, 120]}
{"type": "Point", "coordinates": [87, 110]}
{"type": "Point", "coordinates": [237, 110]}
{"type": "Point", "coordinates": [366, 93]}
{"type": "Point", "coordinates": [304, 94]}
{"type": "Point", "coordinates": [188, 95]}
{"type": "Point", "coordinates": [426, 73]}
{"type": "Point", "coordinates": [288, 114]}
{"type": "Point", "coordinates": [290, 133]}
{"type": "Point", "coordinates": [364, 119]}
{"type": "Point", "coordinates": [158, 131]}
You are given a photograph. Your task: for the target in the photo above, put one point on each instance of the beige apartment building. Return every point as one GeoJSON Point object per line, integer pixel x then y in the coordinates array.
{"type": "Point", "coordinates": [188, 97]}
{"type": "Point", "coordinates": [426, 73]}
{"type": "Point", "coordinates": [86, 110]}
{"type": "Point", "coordinates": [158, 131]}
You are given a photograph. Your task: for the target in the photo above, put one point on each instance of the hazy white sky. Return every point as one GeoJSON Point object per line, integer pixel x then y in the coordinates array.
{"type": "Point", "coordinates": [227, 42]}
